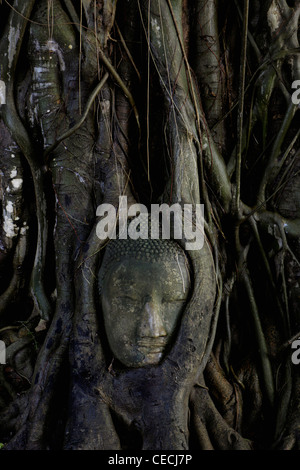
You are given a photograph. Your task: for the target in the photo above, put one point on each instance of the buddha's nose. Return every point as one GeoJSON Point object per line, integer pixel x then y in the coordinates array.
{"type": "Point", "coordinates": [152, 325]}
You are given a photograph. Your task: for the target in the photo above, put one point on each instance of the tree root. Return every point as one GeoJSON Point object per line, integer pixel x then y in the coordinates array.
{"type": "Point", "coordinates": [212, 430]}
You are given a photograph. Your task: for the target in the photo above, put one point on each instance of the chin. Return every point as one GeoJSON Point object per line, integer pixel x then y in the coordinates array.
{"type": "Point", "coordinates": [150, 359]}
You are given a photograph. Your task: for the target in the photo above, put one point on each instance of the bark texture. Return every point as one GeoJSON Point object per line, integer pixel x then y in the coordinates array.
{"type": "Point", "coordinates": [162, 101]}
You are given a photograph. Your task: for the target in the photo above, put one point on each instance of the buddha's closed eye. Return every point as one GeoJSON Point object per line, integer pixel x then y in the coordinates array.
{"type": "Point", "coordinates": [128, 298]}
{"type": "Point", "coordinates": [175, 300]}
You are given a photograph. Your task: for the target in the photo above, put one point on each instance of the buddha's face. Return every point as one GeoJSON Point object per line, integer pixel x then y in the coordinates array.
{"type": "Point", "coordinates": [142, 302]}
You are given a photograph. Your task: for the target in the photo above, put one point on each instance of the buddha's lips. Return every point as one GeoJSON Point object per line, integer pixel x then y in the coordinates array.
{"type": "Point", "coordinates": [153, 345]}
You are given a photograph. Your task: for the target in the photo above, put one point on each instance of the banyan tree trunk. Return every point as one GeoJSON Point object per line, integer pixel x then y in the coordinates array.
{"type": "Point", "coordinates": [161, 101]}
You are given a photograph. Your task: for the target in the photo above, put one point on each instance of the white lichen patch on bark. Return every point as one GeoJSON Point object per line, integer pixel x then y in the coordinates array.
{"type": "Point", "coordinates": [11, 204]}
{"type": "Point", "coordinates": [52, 46]}
{"type": "Point", "coordinates": [9, 207]}
{"type": "Point", "coordinates": [17, 183]}
{"type": "Point", "coordinates": [13, 172]}
{"type": "Point", "coordinates": [156, 29]}
{"type": "Point", "coordinates": [9, 226]}
{"type": "Point", "coordinates": [2, 92]}
{"type": "Point", "coordinates": [13, 37]}
{"type": "Point", "coordinates": [274, 16]}
{"type": "Point", "coordinates": [24, 228]}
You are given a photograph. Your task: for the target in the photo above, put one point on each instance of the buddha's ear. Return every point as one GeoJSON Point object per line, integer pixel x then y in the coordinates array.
{"type": "Point", "coordinates": [195, 336]}
{"type": "Point", "coordinates": [189, 266]}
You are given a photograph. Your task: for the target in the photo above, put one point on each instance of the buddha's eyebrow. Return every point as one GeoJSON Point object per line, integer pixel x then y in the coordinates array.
{"type": "Point", "coordinates": [127, 286]}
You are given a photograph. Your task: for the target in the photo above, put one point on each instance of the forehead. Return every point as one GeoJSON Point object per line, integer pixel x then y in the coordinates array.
{"type": "Point", "coordinates": [162, 274]}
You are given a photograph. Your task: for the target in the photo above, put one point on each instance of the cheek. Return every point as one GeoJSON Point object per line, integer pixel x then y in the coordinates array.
{"type": "Point", "coordinates": [120, 319]}
{"type": "Point", "coordinates": [171, 313]}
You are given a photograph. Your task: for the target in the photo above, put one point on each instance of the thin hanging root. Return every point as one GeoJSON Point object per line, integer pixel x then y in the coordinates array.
{"type": "Point", "coordinates": [288, 343]}
{"type": "Point", "coordinates": [241, 108]}
{"type": "Point", "coordinates": [71, 131]}
{"type": "Point", "coordinates": [261, 340]}
{"type": "Point", "coordinates": [276, 151]}
{"type": "Point", "coordinates": [282, 181]}
{"type": "Point", "coordinates": [250, 36]}
{"type": "Point", "coordinates": [108, 66]}
{"type": "Point", "coordinates": [285, 296]}
{"type": "Point", "coordinates": [128, 53]}
{"type": "Point", "coordinates": [284, 316]}
{"type": "Point", "coordinates": [122, 85]}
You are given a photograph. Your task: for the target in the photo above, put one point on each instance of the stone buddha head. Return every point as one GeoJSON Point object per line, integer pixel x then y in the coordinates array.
{"type": "Point", "coordinates": [144, 285]}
